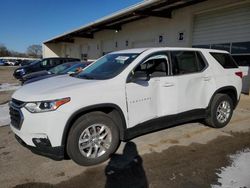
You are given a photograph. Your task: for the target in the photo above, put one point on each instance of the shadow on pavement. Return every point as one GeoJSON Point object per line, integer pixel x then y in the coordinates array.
{"type": "Point", "coordinates": [123, 171]}
{"type": "Point", "coordinates": [196, 165]}
{"type": "Point", "coordinates": [126, 170]}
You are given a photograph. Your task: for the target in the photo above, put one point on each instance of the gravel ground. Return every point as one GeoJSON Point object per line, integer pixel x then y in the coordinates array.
{"type": "Point", "coordinates": [179, 166]}
{"type": "Point", "coordinates": [189, 155]}
{"type": "Point", "coordinates": [4, 115]}
{"type": "Point", "coordinates": [5, 96]}
{"type": "Point", "coordinates": [6, 76]}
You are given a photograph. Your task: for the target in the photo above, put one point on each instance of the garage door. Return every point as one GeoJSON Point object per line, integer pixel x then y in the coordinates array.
{"type": "Point", "coordinates": [224, 25]}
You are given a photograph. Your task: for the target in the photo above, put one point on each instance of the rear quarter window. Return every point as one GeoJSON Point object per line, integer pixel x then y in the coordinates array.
{"type": "Point", "coordinates": [225, 60]}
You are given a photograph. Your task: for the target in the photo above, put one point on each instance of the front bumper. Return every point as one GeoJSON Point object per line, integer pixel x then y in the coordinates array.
{"type": "Point", "coordinates": [45, 149]}
{"type": "Point", "coordinates": [40, 132]}
{"type": "Point", "coordinates": [18, 75]}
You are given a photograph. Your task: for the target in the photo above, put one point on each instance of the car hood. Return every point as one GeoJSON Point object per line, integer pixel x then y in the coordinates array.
{"type": "Point", "coordinates": [23, 67]}
{"type": "Point", "coordinates": [35, 79]}
{"type": "Point", "coordinates": [35, 74]}
{"type": "Point", "coordinates": [53, 88]}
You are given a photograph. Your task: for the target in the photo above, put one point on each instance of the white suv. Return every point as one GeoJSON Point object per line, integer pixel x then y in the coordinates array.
{"type": "Point", "coordinates": [122, 95]}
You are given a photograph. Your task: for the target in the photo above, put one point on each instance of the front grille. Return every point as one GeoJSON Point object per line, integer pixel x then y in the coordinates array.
{"type": "Point", "coordinates": [16, 115]}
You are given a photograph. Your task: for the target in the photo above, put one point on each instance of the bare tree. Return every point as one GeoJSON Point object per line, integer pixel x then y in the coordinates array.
{"type": "Point", "coordinates": [4, 51]}
{"type": "Point", "coordinates": [35, 50]}
{"type": "Point", "coordinates": [17, 54]}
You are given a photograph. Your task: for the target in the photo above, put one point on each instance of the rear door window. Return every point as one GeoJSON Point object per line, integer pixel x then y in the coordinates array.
{"type": "Point", "coordinates": [186, 62]}
{"type": "Point", "coordinates": [55, 62]}
{"type": "Point", "coordinates": [225, 60]}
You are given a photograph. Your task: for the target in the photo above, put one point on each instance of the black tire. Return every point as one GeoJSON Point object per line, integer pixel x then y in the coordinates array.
{"type": "Point", "coordinates": [80, 125]}
{"type": "Point", "coordinates": [212, 119]}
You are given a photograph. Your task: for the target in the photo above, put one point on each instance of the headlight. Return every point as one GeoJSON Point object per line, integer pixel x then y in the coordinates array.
{"type": "Point", "coordinates": [45, 106]}
{"type": "Point", "coordinates": [22, 71]}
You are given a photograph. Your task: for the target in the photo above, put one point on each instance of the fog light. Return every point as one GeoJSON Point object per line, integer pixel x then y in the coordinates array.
{"type": "Point", "coordinates": [41, 142]}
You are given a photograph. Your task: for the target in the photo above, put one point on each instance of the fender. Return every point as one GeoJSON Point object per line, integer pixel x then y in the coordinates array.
{"type": "Point", "coordinates": [220, 90]}
{"type": "Point", "coordinates": [122, 126]}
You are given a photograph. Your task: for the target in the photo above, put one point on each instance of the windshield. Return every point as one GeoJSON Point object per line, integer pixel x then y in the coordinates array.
{"type": "Point", "coordinates": [108, 66]}
{"type": "Point", "coordinates": [34, 62]}
{"type": "Point", "coordinates": [60, 68]}
{"type": "Point", "coordinates": [74, 69]}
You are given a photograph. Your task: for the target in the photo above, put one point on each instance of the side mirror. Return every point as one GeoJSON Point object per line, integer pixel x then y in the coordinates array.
{"type": "Point", "coordinates": [140, 76]}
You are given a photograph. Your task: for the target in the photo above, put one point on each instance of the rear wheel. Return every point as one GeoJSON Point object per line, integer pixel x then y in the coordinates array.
{"type": "Point", "coordinates": [221, 111]}
{"type": "Point", "coordinates": [92, 139]}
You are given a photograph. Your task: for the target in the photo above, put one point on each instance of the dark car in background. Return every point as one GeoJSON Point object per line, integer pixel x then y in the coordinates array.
{"type": "Point", "coordinates": [2, 63]}
{"type": "Point", "coordinates": [44, 64]}
{"type": "Point", "coordinates": [27, 62]}
{"type": "Point", "coordinates": [66, 68]}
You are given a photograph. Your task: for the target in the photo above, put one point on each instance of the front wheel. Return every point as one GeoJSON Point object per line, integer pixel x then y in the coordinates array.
{"type": "Point", "coordinates": [92, 139]}
{"type": "Point", "coordinates": [221, 111]}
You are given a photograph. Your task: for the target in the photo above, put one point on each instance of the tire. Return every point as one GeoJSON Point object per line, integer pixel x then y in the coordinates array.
{"type": "Point", "coordinates": [86, 147]}
{"type": "Point", "coordinates": [215, 118]}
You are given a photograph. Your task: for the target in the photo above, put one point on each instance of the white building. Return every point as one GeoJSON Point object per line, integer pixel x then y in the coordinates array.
{"type": "Point", "coordinates": [223, 24]}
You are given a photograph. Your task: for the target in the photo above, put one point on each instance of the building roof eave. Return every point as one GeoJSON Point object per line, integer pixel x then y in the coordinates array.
{"type": "Point", "coordinates": [158, 8]}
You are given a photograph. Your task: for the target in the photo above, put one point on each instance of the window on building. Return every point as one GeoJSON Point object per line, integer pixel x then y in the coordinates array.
{"type": "Point", "coordinates": [242, 60]}
{"type": "Point", "coordinates": [241, 53]}
{"type": "Point", "coordinates": [206, 46]}
{"type": "Point", "coordinates": [84, 57]}
{"type": "Point", "coordinates": [225, 46]}
{"type": "Point", "coordinates": [126, 43]}
{"type": "Point", "coordinates": [240, 48]}
{"type": "Point", "coordinates": [225, 60]}
{"type": "Point", "coordinates": [160, 39]}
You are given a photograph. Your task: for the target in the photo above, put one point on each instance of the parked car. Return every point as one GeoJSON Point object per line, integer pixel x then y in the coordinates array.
{"type": "Point", "coordinates": [122, 95]}
{"type": "Point", "coordinates": [18, 62]}
{"type": "Point", "coordinates": [66, 68]}
{"type": "Point", "coordinates": [27, 62]}
{"type": "Point", "coordinates": [44, 64]}
{"type": "Point", "coordinates": [10, 62]}
{"type": "Point", "coordinates": [2, 63]}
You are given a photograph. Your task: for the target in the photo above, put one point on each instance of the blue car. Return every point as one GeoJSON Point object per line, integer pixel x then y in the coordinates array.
{"type": "Point", "coordinates": [2, 63]}
{"type": "Point", "coordinates": [66, 68]}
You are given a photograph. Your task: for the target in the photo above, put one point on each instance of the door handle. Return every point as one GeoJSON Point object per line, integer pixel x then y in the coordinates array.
{"type": "Point", "coordinates": [168, 84]}
{"type": "Point", "coordinates": [207, 78]}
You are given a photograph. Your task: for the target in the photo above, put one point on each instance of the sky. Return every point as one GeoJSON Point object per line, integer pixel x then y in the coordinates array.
{"type": "Point", "coordinates": [27, 22]}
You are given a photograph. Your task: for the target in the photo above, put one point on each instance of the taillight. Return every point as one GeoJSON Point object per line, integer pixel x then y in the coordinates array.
{"type": "Point", "coordinates": [240, 74]}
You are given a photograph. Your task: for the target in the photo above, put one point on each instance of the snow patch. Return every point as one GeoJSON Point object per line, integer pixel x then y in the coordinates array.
{"type": "Point", "coordinates": [8, 87]}
{"type": "Point", "coordinates": [4, 115]}
{"type": "Point", "coordinates": [236, 175]}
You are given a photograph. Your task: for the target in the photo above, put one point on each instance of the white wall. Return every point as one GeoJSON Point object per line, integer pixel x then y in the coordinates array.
{"type": "Point", "coordinates": [142, 33]}
{"type": "Point", "coordinates": [51, 50]}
